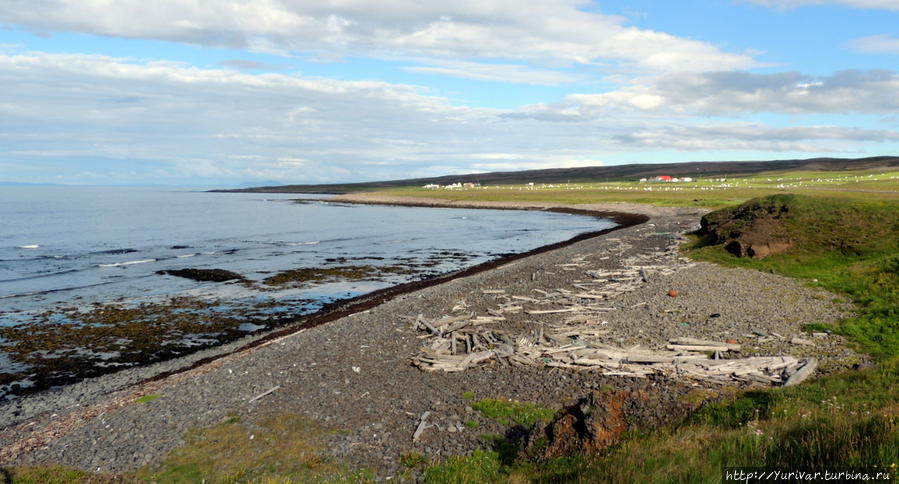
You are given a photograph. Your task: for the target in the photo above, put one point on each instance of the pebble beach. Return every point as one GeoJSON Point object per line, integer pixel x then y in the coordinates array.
{"type": "Point", "coordinates": [353, 374]}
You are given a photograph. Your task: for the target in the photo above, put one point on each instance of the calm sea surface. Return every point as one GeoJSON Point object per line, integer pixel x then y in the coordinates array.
{"type": "Point", "coordinates": [72, 248]}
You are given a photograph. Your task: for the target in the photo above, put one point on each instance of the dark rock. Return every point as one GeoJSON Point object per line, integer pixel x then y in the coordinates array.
{"type": "Point", "coordinates": [205, 275]}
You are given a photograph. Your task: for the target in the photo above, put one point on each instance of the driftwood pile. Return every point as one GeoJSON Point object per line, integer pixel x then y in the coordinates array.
{"type": "Point", "coordinates": [461, 342]}
{"type": "Point", "coordinates": [573, 340]}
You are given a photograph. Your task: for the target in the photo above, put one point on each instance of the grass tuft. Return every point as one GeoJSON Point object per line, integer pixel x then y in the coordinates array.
{"type": "Point", "coordinates": [508, 412]}
{"type": "Point", "coordinates": [147, 398]}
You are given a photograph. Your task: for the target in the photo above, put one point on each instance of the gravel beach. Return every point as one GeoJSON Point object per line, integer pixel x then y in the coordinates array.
{"type": "Point", "coordinates": [353, 374]}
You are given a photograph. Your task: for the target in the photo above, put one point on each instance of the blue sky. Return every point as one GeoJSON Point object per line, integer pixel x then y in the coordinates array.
{"type": "Point", "coordinates": [231, 92]}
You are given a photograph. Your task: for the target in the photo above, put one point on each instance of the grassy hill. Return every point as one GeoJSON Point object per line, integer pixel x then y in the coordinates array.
{"type": "Point", "coordinates": [602, 173]}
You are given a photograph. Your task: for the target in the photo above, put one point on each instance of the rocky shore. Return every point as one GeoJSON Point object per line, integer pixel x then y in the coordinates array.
{"type": "Point", "coordinates": [354, 375]}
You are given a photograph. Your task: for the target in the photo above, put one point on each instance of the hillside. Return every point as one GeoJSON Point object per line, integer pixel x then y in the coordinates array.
{"type": "Point", "coordinates": [600, 173]}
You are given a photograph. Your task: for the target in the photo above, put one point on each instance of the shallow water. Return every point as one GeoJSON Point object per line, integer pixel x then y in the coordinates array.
{"type": "Point", "coordinates": [66, 253]}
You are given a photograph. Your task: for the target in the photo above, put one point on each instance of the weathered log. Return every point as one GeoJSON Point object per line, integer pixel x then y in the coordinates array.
{"type": "Point", "coordinates": [801, 374]}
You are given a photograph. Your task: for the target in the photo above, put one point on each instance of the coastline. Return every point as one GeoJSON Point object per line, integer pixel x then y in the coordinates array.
{"type": "Point", "coordinates": [327, 353]}
{"type": "Point", "coordinates": [277, 325]}
{"type": "Point", "coordinates": [112, 390]}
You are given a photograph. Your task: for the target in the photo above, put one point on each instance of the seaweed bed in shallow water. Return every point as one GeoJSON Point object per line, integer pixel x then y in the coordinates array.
{"type": "Point", "coordinates": [71, 344]}
{"type": "Point", "coordinates": [65, 345]}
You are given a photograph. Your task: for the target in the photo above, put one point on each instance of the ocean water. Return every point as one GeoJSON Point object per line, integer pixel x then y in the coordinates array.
{"type": "Point", "coordinates": [66, 251]}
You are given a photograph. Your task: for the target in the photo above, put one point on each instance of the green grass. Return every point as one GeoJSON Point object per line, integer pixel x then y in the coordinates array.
{"type": "Point", "coordinates": [147, 398]}
{"type": "Point", "coordinates": [705, 193]}
{"type": "Point", "coordinates": [509, 412]}
{"type": "Point", "coordinates": [412, 460]}
{"type": "Point", "coordinates": [286, 448]}
{"type": "Point", "coordinates": [49, 475]}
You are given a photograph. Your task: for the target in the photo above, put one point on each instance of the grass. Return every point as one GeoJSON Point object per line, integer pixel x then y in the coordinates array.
{"type": "Point", "coordinates": [147, 398]}
{"type": "Point", "coordinates": [509, 412]}
{"type": "Point", "coordinates": [52, 475]}
{"type": "Point", "coordinates": [710, 193]}
{"type": "Point", "coordinates": [285, 448]}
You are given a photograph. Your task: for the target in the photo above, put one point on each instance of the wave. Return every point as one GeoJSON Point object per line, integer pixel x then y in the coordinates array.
{"type": "Point", "coordinates": [51, 291]}
{"type": "Point", "coordinates": [129, 263]}
{"type": "Point", "coordinates": [39, 275]}
{"type": "Point", "coordinates": [31, 246]}
{"type": "Point", "coordinates": [185, 256]}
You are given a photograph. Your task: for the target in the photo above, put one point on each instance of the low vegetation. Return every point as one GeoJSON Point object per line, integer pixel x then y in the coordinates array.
{"type": "Point", "coordinates": [286, 448]}
{"type": "Point", "coordinates": [840, 422]}
{"type": "Point", "coordinates": [708, 192]}
{"type": "Point", "coordinates": [509, 412]}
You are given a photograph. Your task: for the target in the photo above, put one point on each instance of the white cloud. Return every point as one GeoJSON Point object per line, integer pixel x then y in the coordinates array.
{"type": "Point", "coordinates": [866, 4]}
{"type": "Point", "coordinates": [876, 44]}
{"type": "Point", "coordinates": [548, 32]}
{"type": "Point", "coordinates": [730, 93]}
{"type": "Point", "coordinates": [87, 117]}
{"type": "Point", "coordinates": [507, 73]}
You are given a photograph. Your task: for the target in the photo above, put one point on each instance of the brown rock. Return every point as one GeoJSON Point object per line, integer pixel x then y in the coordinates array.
{"type": "Point", "coordinates": [596, 423]}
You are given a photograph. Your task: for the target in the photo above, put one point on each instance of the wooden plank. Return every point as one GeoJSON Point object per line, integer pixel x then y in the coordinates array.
{"type": "Point", "coordinates": [721, 347]}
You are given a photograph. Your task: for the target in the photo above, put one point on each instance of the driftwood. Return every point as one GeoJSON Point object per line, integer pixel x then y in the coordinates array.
{"type": "Point", "coordinates": [802, 373]}
{"type": "Point", "coordinates": [267, 392]}
{"type": "Point", "coordinates": [575, 339]}
{"type": "Point", "coordinates": [422, 425]}
{"type": "Point", "coordinates": [577, 347]}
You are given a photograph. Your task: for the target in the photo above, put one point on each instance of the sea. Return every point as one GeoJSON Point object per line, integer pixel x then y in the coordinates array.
{"type": "Point", "coordinates": [67, 254]}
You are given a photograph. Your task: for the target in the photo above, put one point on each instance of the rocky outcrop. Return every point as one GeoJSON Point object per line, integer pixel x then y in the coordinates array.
{"type": "Point", "coordinates": [754, 229]}
{"type": "Point", "coordinates": [600, 421]}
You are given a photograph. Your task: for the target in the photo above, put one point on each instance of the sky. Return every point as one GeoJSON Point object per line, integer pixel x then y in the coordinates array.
{"type": "Point", "coordinates": [252, 92]}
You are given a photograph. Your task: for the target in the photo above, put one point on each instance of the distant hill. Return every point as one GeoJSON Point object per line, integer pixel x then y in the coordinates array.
{"type": "Point", "coordinates": [600, 173]}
